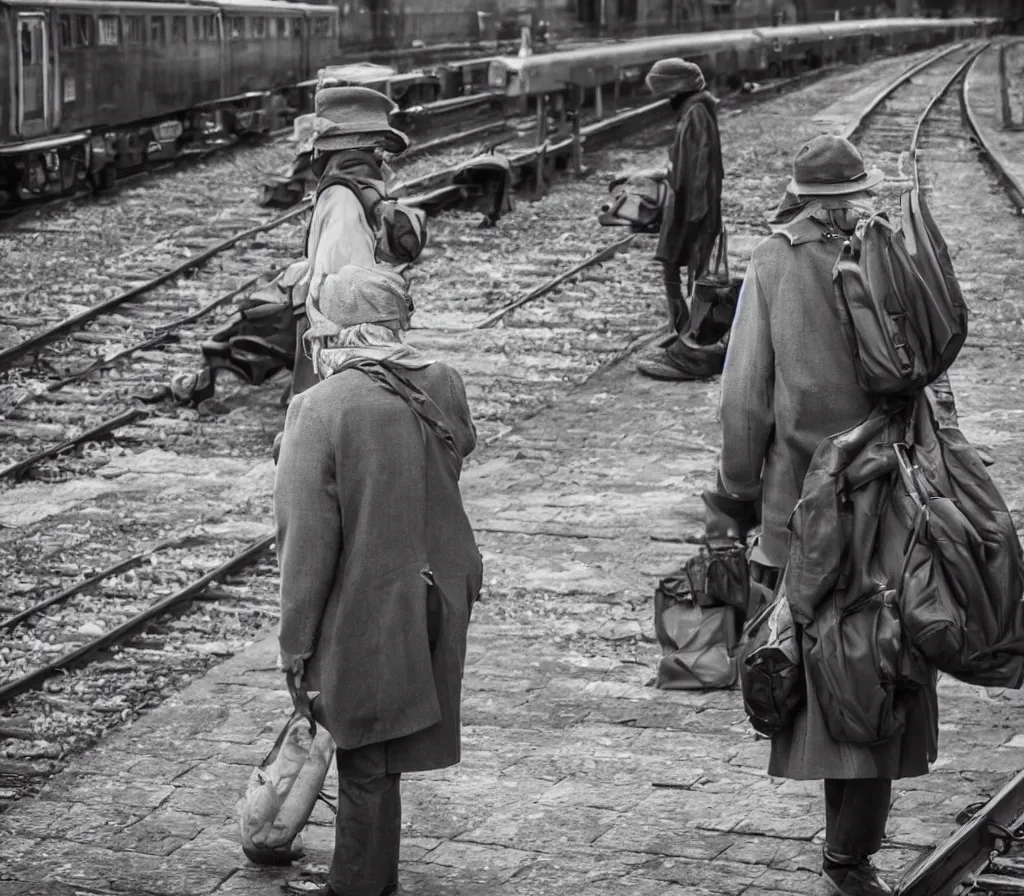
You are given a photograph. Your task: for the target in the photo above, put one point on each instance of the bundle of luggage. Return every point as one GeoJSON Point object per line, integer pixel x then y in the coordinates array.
{"type": "Point", "coordinates": [698, 617]}
{"type": "Point", "coordinates": [904, 558]}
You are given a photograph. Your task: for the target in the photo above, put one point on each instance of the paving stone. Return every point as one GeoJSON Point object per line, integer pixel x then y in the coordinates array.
{"type": "Point", "coordinates": [91, 789]}
{"type": "Point", "coordinates": [541, 828]}
{"type": "Point", "coordinates": [718, 876]}
{"type": "Point", "coordinates": [159, 833]}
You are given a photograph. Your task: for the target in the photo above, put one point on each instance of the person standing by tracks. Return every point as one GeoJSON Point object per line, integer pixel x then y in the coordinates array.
{"type": "Point", "coordinates": [350, 135]}
{"type": "Point", "coordinates": [692, 218]}
{"type": "Point", "coordinates": [379, 566]}
{"type": "Point", "coordinates": [790, 382]}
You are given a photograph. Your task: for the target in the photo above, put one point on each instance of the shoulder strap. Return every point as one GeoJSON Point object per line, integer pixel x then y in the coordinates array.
{"type": "Point", "coordinates": [421, 404]}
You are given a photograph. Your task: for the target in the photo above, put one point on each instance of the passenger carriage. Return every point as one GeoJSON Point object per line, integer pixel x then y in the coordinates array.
{"type": "Point", "coordinates": [92, 87]}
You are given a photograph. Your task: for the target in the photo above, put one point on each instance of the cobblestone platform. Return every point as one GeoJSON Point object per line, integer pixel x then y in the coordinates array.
{"type": "Point", "coordinates": [576, 776]}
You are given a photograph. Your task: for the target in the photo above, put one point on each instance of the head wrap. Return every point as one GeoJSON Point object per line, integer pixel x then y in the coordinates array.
{"type": "Point", "coordinates": [671, 76]}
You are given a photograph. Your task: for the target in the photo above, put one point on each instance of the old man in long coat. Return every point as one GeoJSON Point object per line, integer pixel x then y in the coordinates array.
{"type": "Point", "coordinates": [790, 382]}
{"type": "Point", "coordinates": [379, 567]}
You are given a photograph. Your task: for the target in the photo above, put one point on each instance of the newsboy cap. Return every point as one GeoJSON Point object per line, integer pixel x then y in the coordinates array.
{"type": "Point", "coordinates": [348, 117]}
{"type": "Point", "coordinates": [354, 296]}
{"type": "Point", "coordinates": [671, 76]}
{"type": "Point", "coordinates": [830, 165]}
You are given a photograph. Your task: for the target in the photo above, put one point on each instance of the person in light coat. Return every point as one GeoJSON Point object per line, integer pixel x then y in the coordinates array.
{"type": "Point", "coordinates": [789, 382]}
{"type": "Point", "coordinates": [369, 514]}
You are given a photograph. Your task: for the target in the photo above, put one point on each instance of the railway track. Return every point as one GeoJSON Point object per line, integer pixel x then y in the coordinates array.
{"type": "Point", "coordinates": [921, 128]}
{"type": "Point", "coordinates": [518, 344]}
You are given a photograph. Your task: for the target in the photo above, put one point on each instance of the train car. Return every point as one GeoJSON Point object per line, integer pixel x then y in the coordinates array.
{"type": "Point", "coordinates": [94, 87]}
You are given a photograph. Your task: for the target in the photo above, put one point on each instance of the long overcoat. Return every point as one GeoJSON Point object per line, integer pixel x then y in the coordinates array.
{"type": "Point", "coordinates": [366, 500]}
{"type": "Point", "coordinates": [693, 209]}
{"type": "Point", "coordinates": [789, 382]}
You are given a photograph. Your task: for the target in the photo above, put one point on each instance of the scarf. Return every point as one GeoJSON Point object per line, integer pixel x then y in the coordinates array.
{"type": "Point", "coordinates": [795, 208]}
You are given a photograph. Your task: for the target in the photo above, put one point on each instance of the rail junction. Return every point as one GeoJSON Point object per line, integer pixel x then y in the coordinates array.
{"type": "Point", "coordinates": [143, 561]}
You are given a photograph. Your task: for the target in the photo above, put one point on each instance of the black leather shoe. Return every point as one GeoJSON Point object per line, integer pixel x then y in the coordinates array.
{"type": "Point", "coordinates": [854, 880]}
{"type": "Point", "coordinates": [660, 367]}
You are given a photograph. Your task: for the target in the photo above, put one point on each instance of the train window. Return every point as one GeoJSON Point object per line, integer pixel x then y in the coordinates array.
{"type": "Point", "coordinates": [135, 29]}
{"type": "Point", "coordinates": [31, 46]}
{"type": "Point", "coordinates": [296, 27]}
{"type": "Point", "coordinates": [196, 30]}
{"type": "Point", "coordinates": [157, 31]}
{"type": "Point", "coordinates": [108, 31]}
{"type": "Point", "coordinates": [64, 30]}
{"type": "Point", "coordinates": [179, 30]}
{"type": "Point", "coordinates": [83, 31]}
{"type": "Point", "coordinates": [259, 27]}
{"type": "Point", "coordinates": [282, 28]}
{"type": "Point", "coordinates": [236, 27]}
{"type": "Point", "coordinates": [321, 26]}
{"type": "Point", "coordinates": [209, 28]}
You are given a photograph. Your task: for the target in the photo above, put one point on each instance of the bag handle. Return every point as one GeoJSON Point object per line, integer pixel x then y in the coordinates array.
{"type": "Point", "coordinates": [722, 258]}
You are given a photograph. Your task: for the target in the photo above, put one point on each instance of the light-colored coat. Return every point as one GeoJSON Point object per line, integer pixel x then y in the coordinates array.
{"type": "Point", "coordinates": [366, 500]}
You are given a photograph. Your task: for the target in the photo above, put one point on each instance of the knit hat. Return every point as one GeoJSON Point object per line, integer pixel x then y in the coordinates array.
{"type": "Point", "coordinates": [830, 165]}
{"type": "Point", "coordinates": [349, 117]}
{"type": "Point", "coordinates": [671, 76]}
{"type": "Point", "coordinates": [355, 296]}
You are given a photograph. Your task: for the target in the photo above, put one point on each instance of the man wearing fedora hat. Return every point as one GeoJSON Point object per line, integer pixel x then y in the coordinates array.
{"type": "Point", "coordinates": [351, 133]}
{"type": "Point", "coordinates": [692, 217]}
{"type": "Point", "coordinates": [789, 382]}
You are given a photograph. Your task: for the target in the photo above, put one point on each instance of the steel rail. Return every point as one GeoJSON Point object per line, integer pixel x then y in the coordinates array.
{"type": "Point", "coordinates": [995, 158]}
{"type": "Point", "coordinates": [601, 255]}
{"type": "Point", "coordinates": [39, 340]}
{"type": "Point", "coordinates": [915, 140]}
{"type": "Point", "coordinates": [34, 679]}
{"type": "Point", "coordinates": [100, 431]}
{"type": "Point", "coordinates": [161, 334]}
{"type": "Point", "coordinates": [88, 583]}
{"type": "Point", "coordinates": [887, 91]}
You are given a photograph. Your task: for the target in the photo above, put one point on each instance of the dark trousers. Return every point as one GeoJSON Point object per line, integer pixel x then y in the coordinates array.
{"type": "Point", "coordinates": [855, 814]}
{"type": "Point", "coordinates": [369, 825]}
{"type": "Point", "coordinates": [675, 298]}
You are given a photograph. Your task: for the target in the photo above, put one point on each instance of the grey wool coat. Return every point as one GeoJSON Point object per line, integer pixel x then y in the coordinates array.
{"type": "Point", "coordinates": [788, 383]}
{"type": "Point", "coordinates": [366, 499]}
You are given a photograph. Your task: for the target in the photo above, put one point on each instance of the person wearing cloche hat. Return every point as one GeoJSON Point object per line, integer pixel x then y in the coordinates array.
{"type": "Point", "coordinates": [378, 564]}
{"type": "Point", "coordinates": [692, 217]}
{"type": "Point", "coordinates": [789, 383]}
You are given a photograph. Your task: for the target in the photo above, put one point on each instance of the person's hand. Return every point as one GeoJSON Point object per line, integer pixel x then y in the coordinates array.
{"type": "Point", "coordinates": [294, 676]}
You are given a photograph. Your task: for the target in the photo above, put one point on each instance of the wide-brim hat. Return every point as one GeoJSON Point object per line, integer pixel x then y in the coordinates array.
{"type": "Point", "coordinates": [830, 165]}
{"type": "Point", "coordinates": [354, 118]}
{"type": "Point", "coordinates": [672, 76]}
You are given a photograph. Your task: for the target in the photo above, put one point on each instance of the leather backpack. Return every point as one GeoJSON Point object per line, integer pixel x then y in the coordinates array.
{"type": "Point", "coordinates": [637, 201]}
{"type": "Point", "coordinates": [899, 302]}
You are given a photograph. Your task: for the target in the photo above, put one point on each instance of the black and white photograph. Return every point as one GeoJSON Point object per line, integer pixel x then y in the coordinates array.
{"type": "Point", "coordinates": [568, 447]}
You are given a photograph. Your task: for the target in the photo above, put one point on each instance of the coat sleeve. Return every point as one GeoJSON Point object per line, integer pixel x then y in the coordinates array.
{"type": "Point", "coordinates": [690, 164]}
{"type": "Point", "coordinates": [748, 386]}
{"type": "Point", "coordinates": [465, 437]}
{"type": "Point", "coordinates": [339, 233]}
{"type": "Point", "coordinates": [309, 537]}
